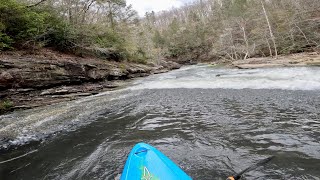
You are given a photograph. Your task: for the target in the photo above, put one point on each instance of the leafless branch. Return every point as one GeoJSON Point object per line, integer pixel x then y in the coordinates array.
{"type": "Point", "coordinates": [38, 3]}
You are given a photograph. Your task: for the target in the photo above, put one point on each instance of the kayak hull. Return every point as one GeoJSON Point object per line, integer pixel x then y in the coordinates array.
{"type": "Point", "coordinates": [147, 163]}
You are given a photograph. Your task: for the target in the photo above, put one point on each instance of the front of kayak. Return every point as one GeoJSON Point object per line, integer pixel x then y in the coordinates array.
{"type": "Point", "coordinates": [147, 163]}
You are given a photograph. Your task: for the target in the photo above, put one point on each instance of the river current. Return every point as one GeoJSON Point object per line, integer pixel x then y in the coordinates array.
{"type": "Point", "coordinates": [212, 122]}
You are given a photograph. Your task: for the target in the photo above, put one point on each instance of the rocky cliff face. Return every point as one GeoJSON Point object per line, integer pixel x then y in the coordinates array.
{"type": "Point", "coordinates": [41, 73]}
{"type": "Point", "coordinates": [29, 81]}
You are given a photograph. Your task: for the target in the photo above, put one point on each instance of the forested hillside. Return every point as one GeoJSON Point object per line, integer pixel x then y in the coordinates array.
{"type": "Point", "coordinates": [203, 30]}
{"type": "Point", "coordinates": [105, 28]}
{"type": "Point", "coordinates": [237, 29]}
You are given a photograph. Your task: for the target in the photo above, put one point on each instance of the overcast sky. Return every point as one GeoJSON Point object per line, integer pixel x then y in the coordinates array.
{"type": "Point", "coordinates": [143, 6]}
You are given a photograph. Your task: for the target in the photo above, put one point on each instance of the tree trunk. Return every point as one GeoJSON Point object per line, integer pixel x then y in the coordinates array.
{"type": "Point", "coordinates": [246, 41]}
{"type": "Point", "coordinates": [270, 30]}
{"type": "Point", "coordinates": [110, 15]}
{"type": "Point", "coordinates": [269, 47]}
{"type": "Point", "coordinates": [85, 10]}
{"type": "Point", "coordinates": [304, 35]}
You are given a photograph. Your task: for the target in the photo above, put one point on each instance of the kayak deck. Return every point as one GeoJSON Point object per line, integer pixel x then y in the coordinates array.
{"type": "Point", "coordinates": [147, 163]}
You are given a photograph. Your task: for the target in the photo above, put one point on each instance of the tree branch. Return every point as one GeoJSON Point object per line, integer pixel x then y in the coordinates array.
{"type": "Point", "coordinates": [38, 3]}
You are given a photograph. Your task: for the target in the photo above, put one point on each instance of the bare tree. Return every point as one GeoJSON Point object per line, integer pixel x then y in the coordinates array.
{"type": "Point", "coordinates": [270, 30]}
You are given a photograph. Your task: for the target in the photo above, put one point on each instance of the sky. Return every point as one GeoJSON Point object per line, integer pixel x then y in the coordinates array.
{"type": "Point", "coordinates": [143, 6]}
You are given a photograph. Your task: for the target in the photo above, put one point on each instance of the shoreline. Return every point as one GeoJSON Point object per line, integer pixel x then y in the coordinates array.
{"type": "Point", "coordinates": [94, 75]}
{"type": "Point", "coordinates": [32, 80]}
{"type": "Point", "coordinates": [292, 60]}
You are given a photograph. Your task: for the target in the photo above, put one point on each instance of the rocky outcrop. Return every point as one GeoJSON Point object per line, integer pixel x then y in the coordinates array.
{"type": "Point", "coordinates": [41, 73]}
{"type": "Point", "coordinates": [29, 81]}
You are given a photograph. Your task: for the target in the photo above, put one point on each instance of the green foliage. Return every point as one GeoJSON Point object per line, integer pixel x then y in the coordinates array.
{"type": "Point", "coordinates": [5, 105]}
{"type": "Point", "coordinates": [158, 40]}
{"type": "Point", "coordinates": [44, 25]}
{"type": "Point", "coordinates": [49, 25]}
{"type": "Point", "coordinates": [110, 39]}
{"type": "Point", "coordinates": [175, 51]}
{"type": "Point", "coordinates": [5, 42]}
{"type": "Point", "coordinates": [174, 26]}
{"type": "Point", "coordinates": [18, 23]}
{"type": "Point", "coordinates": [140, 56]}
{"type": "Point", "coordinates": [62, 36]}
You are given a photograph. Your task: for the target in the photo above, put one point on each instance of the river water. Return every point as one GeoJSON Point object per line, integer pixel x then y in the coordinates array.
{"type": "Point", "coordinates": [212, 122]}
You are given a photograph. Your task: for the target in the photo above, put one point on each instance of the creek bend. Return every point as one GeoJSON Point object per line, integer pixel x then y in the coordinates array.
{"type": "Point", "coordinates": [209, 121]}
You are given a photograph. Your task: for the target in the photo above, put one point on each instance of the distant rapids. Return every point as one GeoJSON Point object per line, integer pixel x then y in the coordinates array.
{"type": "Point", "coordinates": [206, 77]}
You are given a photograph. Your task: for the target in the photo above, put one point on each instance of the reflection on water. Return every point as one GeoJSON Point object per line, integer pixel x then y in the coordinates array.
{"type": "Point", "coordinates": [209, 132]}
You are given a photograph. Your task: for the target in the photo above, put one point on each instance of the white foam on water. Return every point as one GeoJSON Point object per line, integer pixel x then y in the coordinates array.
{"type": "Point", "coordinates": [21, 127]}
{"type": "Point", "coordinates": [205, 77]}
{"type": "Point", "coordinates": [32, 125]}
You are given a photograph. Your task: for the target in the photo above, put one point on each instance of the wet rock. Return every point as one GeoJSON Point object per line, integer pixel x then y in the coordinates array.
{"type": "Point", "coordinates": [170, 65]}
{"type": "Point", "coordinates": [59, 91]}
{"type": "Point", "coordinates": [73, 95]}
{"type": "Point", "coordinates": [24, 90]}
{"type": "Point", "coordinates": [116, 72]}
{"type": "Point", "coordinates": [90, 66]}
{"type": "Point", "coordinates": [25, 73]}
{"type": "Point", "coordinates": [98, 74]}
{"type": "Point", "coordinates": [160, 71]}
{"type": "Point", "coordinates": [6, 65]}
{"type": "Point", "coordinates": [5, 79]}
{"type": "Point", "coordinates": [111, 86]}
{"type": "Point", "coordinates": [31, 81]}
{"type": "Point", "coordinates": [26, 106]}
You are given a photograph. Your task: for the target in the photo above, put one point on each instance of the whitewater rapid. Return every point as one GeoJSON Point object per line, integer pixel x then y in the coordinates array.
{"type": "Point", "coordinates": [207, 77]}
{"type": "Point", "coordinates": [22, 127]}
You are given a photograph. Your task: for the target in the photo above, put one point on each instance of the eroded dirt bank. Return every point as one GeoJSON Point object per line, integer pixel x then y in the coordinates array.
{"type": "Point", "coordinates": [28, 81]}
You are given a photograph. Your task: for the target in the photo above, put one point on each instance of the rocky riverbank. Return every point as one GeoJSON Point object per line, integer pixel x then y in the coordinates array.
{"type": "Point", "coordinates": [32, 80]}
{"type": "Point", "coordinates": [293, 60]}
{"type": "Point", "coordinates": [48, 77]}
